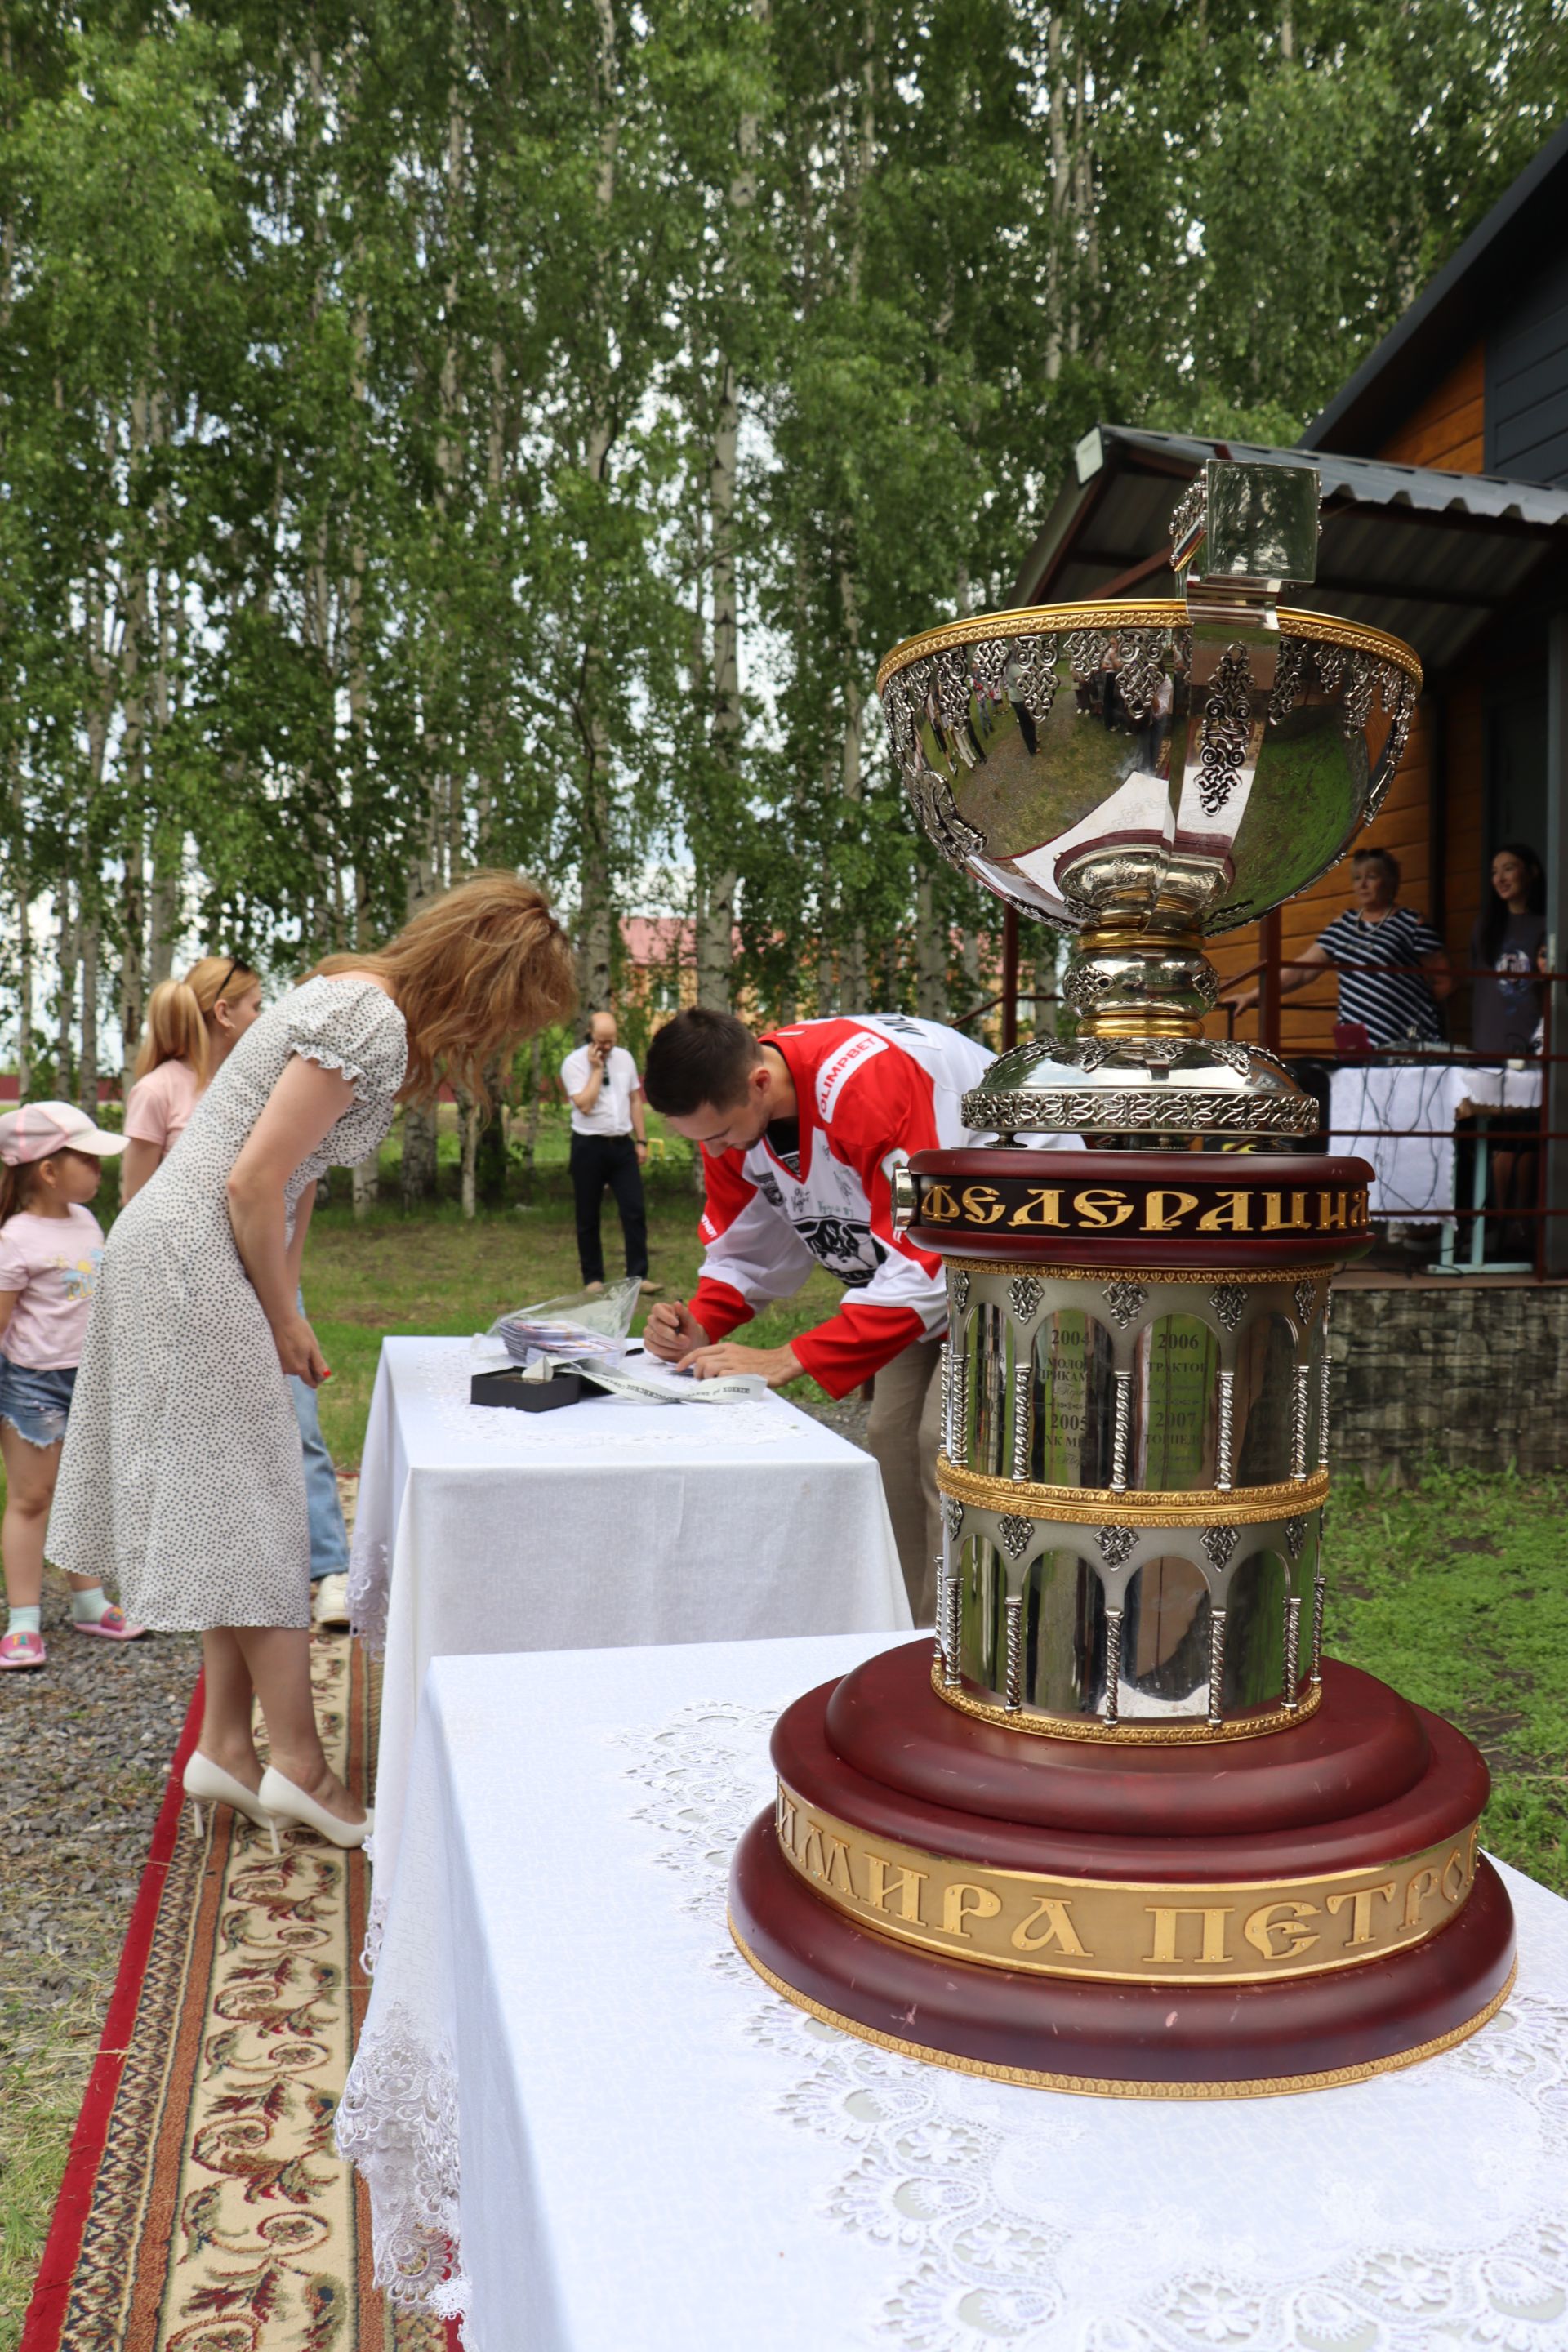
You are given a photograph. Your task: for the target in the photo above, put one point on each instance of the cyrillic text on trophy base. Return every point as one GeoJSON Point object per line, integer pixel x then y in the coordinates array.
{"type": "Point", "coordinates": [1248, 1932]}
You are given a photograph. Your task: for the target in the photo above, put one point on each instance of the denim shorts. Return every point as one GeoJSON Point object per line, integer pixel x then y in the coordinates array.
{"type": "Point", "coordinates": [36, 1402]}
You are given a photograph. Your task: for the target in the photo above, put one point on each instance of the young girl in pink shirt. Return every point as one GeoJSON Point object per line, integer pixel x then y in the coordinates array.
{"type": "Point", "coordinates": [51, 1245]}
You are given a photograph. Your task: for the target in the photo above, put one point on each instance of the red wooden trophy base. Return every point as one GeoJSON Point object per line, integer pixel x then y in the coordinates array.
{"type": "Point", "coordinates": [877, 1771]}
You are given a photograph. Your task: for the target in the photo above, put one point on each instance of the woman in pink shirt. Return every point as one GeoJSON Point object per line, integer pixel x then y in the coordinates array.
{"type": "Point", "coordinates": [190, 1026]}
{"type": "Point", "coordinates": [50, 1248]}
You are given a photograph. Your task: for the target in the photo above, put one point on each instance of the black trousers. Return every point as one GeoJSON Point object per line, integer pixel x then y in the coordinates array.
{"type": "Point", "coordinates": [598, 1160]}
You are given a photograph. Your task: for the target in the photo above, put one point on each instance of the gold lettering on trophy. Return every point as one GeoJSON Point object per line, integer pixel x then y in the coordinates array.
{"type": "Point", "coordinates": [1157, 1218]}
{"type": "Point", "coordinates": [1048, 1201]}
{"type": "Point", "coordinates": [837, 1870]}
{"type": "Point", "coordinates": [1361, 1904]}
{"type": "Point", "coordinates": [1229, 1215]}
{"type": "Point", "coordinates": [1454, 1868]}
{"type": "Point", "coordinates": [1060, 1935]}
{"type": "Point", "coordinates": [1422, 1883]}
{"type": "Point", "coordinates": [787, 1822]}
{"type": "Point", "coordinates": [1285, 1920]}
{"type": "Point", "coordinates": [1102, 1206]}
{"type": "Point", "coordinates": [1212, 1953]}
{"type": "Point", "coordinates": [983, 1204]}
{"type": "Point", "coordinates": [1274, 1219]}
{"type": "Point", "coordinates": [938, 1206]}
{"type": "Point", "coordinates": [905, 1885]}
{"type": "Point", "coordinates": [962, 1901]}
{"type": "Point", "coordinates": [1333, 1214]}
{"type": "Point", "coordinates": [813, 1847]}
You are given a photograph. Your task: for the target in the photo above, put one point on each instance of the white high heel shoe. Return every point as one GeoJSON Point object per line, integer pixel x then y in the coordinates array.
{"type": "Point", "coordinates": [208, 1784]}
{"type": "Point", "coordinates": [286, 1803]}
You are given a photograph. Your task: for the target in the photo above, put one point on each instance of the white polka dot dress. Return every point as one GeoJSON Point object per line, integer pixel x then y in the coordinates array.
{"type": "Point", "coordinates": [180, 1477]}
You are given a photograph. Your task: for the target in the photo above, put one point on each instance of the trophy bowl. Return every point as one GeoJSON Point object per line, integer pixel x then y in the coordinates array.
{"type": "Point", "coordinates": [1142, 775]}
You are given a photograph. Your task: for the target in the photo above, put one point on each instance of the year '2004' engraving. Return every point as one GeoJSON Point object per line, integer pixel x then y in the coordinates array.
{"type": "Point", "coordinates": [1115, 1929]}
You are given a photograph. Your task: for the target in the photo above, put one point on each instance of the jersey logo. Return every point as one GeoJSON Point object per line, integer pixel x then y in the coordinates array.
{"type": "Point", "coordinates": [835, 1075]}
{"type": "Point", "coordinates": [840, 1246]}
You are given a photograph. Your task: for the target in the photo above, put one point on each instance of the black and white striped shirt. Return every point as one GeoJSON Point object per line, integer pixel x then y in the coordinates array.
{"type": "Point", "coordinates": [1389, 1004]}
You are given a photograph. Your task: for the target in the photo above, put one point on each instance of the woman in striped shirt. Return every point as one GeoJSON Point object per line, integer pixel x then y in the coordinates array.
{"type": "Point", "coordinates": [1392, 968]}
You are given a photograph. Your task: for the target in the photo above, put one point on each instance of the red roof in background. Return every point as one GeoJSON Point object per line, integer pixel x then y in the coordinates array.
{"type": "Point", "coordinates": [656, 939]}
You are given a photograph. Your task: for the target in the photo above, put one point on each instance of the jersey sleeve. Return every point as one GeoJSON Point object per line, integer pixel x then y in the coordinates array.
{"type": "Point", "coordinates": [751, 1254]}
{"type": "Point", "coordinates": [885, 1112]}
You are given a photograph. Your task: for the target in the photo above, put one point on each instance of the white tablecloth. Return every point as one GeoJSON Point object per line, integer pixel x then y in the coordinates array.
{"type": "Point", "coordinates": [603, 1525]}
{"type": "Point", "coordinates": [1374, 1109]}
{"type": "Point", "coordinates": [567, 2071]}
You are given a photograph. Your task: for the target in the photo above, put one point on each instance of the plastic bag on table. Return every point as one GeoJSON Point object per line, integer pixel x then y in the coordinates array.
{"type": "Point", "coordinates": [579, 1327]}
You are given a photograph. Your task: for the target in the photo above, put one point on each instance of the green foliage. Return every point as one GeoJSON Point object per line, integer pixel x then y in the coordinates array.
{"type": "Point", "coordinates": [397, 407]}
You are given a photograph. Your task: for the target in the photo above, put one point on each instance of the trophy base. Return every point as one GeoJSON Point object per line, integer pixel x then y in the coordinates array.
{"type": "Point", "coordinates": [1291, 1914]}
{"type": "Point", "coordinates": [1124, 1091]}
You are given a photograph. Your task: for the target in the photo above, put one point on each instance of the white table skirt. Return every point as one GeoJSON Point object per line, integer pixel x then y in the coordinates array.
{"type": "Point", "coordinates": [569, 2078]}
{"type": "Point", "coordinates": [608, 1524]}
{"type": "Point", "coordinates": [1400, 1117]}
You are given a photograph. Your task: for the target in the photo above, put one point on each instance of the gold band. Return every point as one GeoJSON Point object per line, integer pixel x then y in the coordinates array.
{"type": "Point", "coordinates": [1141, 1732]}
{"type": "Point", "coordinates": [1126, 1931]}
{"type": "Point", "coordinates": [1046, 1270]}
{"type": "Point", "coordinates": [1094, 2086]}
{"type": "Point", "coordinates": [1158, 613]}
{"type": "Point", "coordinates": [1150, 1508]}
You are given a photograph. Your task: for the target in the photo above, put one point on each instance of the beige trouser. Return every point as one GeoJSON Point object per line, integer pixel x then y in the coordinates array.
{"type": "Point", "coordinates": [902, 1432]}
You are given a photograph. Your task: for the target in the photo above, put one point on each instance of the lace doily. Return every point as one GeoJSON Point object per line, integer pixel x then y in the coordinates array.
{"type": "Point", "coordinates": [1004, 2212]}
{"type": "Point", "coordinates": [397, 2122]}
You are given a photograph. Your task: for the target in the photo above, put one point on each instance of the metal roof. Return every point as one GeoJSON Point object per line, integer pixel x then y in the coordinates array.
{"type": "Point", "coordinates": [1522, 230]}
{"type": "Point", "coordinates": [1434, 558]}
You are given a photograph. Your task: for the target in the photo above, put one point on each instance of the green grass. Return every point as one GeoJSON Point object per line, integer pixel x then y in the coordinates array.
{"type": "Point", "coordinates": [1457, 1593]}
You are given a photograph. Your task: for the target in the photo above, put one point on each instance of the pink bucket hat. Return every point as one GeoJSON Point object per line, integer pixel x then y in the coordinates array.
{"type": "Point", "coordinates": [41, 1129]}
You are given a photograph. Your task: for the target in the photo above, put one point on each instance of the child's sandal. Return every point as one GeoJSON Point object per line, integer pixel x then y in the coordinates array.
{"type": "Point", "coordinates": [18, 1650]}
{"type": "Point", "coordinates": [113, 1626]}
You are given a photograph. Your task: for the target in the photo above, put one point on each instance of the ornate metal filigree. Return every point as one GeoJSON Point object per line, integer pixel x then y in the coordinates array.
{"type": "Point", "coordinates": [1292, 1649]}
{"type": "Point", "coordinates": [1174, 1111]}
{"type": "Point", "coordinates": [1142, 654]}
{"type": "Point", "coordinates": [988, 667]}
{"type": "Point", "coordinates": [1331, 660]}
{"type": "Point", "coordinates": [1360, 684]}
{"type": "Point", "coordinates": [1090, 1055]}
{"type": "Point", "coordinates": [1033, 673]}
{"type": "Point", "coordinates": [950, 685]}
{"type": "Point", "coordinates": [960, 1281]}
{"type": "Point", "coordinates": [1294, 1537]}
{"type": "Point", "coordinates": [952, 1516]}
{"type": "Point", "coordinates": [1112, 1663]}
{"type": "Point", "coordinates": [1016, 1533]}
{"type": "Point", "coordinates": [1126, 1301]}
{"type": "Point", "coordinates": [1289, 680]}
{"type": "Point", "coordinates": [1116, 1544]}
{"type": "Point", "coordinates": [1219, 1543]}
{"type": "Point", "coordinates": [1306, 1300]}
{"type": "Point", "coordinates": [1187, 518]}
{"type": "Point", "coordinates": [930, 797]}
{"type": "Point", "coordinates": [1025, 1293]}
{"type": "Point", "coordinates": [1229, 1303]}
{"type": "Point", "coordinates": [1086, 650]}
{"type": "Point", "coordinates": [1227, 729]}
{"type": "Point", "coordinates": [1013, 1686]}
{"type": "Point", "coordinates": [1235, 1057]}
{"type": "Point", "coordinates": [1085, 984]}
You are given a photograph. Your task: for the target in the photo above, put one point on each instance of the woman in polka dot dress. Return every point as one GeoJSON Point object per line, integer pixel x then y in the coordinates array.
{"type": "Point", "coordinates": [181, 1473]}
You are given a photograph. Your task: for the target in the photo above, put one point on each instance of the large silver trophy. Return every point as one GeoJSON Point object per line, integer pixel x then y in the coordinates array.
{"type": "Point", "coordinates": [1143, 774]}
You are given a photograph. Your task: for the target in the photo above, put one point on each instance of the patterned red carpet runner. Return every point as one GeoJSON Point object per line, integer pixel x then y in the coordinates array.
{"type": "Point", "coordinates": [204, 2207]}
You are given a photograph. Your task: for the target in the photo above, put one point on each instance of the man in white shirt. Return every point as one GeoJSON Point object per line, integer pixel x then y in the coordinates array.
{"type": "Point", "coordinates": [609, 1145]}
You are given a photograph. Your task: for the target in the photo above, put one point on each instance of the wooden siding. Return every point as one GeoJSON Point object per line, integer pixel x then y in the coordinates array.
{"type": "Point", "coordinates": [1527, 383]}
{"type": "Point", "coordinates": [1449, 429]}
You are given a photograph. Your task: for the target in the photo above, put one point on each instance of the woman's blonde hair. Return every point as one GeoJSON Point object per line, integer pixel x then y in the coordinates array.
{"type": "Point", "coordinates": [177, 1013]}
{"type": "Point", "coordinates": [479, 969]}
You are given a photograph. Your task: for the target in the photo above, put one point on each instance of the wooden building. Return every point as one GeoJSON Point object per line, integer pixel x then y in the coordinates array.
{"type": "Point", "coordinates": [1445, 482]}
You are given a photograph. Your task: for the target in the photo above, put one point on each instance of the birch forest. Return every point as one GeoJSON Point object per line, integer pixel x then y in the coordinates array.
{"type": "Point", "coordinates": [441, 432]}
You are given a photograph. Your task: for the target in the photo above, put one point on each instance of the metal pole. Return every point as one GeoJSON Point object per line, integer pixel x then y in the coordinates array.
{"type": "Point", "coordinates": [1554, 1188]}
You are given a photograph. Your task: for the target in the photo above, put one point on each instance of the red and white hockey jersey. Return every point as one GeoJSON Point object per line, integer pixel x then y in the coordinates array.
{"type": "Point", "coordinates": [871, 1093]}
